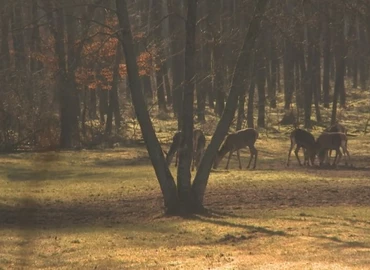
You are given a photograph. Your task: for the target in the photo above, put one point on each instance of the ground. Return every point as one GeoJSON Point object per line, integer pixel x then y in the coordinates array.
{"type": "Point", "coordinates": [103, 209]}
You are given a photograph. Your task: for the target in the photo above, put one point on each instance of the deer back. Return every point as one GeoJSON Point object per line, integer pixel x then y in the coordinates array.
{"type": "Point", "coordinates": [303, 138]}
{"type": "Point", "coordinates": [331, 140]}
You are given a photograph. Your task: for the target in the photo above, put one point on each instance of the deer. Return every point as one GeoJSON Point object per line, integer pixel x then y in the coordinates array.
{"type": "Point", "coordinates": [302, 139]}
{"type": "Point", "coordinates": [335, 128]}
{"type": "Point", "coordinates": [234, 142]}
{"type": "Point", "coordinates": [199, 144]}
{"type": "Point", "coordinates": [332, 141]}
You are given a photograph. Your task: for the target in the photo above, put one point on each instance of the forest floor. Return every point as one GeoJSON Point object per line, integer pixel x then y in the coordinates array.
{"type": "Point", "coordinates": [103, 209]}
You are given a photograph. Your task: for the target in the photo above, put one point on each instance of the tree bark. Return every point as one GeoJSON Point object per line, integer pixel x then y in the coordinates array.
{"type": "Point", "coordinates": [177, 29]}
{"type": "Point", "coordinates": [113, 108]}
{"type": "Point", "coordinates": [186, 143]}
{"type": "Point", "coordinates": [261, 81]}
{"type": "Point", "coordinates": [288, 72]}
{"type": "Point", "coordinates": [18, 36]}
{"type": "Point", "coordinates": [326, 60]}
{"type": "Point", "coordinates": [5, 53]}
{"type": "Point", "coordinates": [339, 49]}
{"type": "Point", "coordinates": [250, 108]}
{"type": "Point", "coordinates": [156, 155]}
{"type": "Point", "coordinates": [201, 179]}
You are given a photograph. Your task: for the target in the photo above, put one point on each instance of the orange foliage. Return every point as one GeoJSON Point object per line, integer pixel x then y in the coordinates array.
{"type": "Point", "coordinates": [98, 56]}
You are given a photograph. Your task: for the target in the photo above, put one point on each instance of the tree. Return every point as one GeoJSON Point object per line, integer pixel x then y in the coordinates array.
{"type": "Point", "coordinates": [167, 184]}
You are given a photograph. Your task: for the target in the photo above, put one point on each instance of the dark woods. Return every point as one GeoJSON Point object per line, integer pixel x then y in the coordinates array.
{"type": "Point", "coordinates": [64, 77]}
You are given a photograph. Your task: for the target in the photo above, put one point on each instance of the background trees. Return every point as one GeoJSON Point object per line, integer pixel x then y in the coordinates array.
{"type": "Point", "coordinates": [59, 62]}
{"type": "Point", "coordinates": [64, 76]}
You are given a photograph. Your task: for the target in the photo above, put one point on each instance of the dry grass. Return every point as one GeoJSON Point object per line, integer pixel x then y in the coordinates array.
{"type": "Point", "coordinates": [103, 210]}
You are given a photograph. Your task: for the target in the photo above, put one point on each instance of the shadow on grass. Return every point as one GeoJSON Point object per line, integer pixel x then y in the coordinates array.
{"type": "Point", "coordinates": [252, 229]}
{"type": "Point", "coordinates": [118, 162]}
{"type": "Point", "coordinates": [37, 175]}
{"type": "Point", "coordinates": [342, 243]}
{"type": "Point", "coordinates": [27, 213]}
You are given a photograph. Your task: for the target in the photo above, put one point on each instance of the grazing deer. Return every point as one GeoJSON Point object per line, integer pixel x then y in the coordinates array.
{"type": "Point", "coordinates": [199, 144]}
{"type": "Point", "coordinates": [303, 139]}
{"type": "Point", "coordinates": [332, 141]}
{"type": "Point", "coordinates": [334, 128]}
{"type": "Point", "coordinates": [234, 142]}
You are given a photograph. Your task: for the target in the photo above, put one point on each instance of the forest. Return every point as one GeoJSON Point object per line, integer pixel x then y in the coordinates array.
{"type": "Point", "coordinates": [64, 75]}
{"type": "Point", "coordinates": [106, 96]}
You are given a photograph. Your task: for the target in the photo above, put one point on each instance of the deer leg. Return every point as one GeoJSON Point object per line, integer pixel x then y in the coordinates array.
{"type": "Point", "coordinates": [193, 160]}
{"type": "Point", "coordinates": [177, 157]}
{"type": "Point", "coordinates": [306, 159]}
{"type": "Point", "coordinates": [328, 156]}
{"type": "Point", "coordinates": [228, 160]}
{"type": "Point", "coordinates": [339, 154]}
{"type": "Point", "coordinates": [289, 153]}
{"type": "Point", "coordinates": [255, 154]}
{"type": "Point", "coordinates": [240, 163]}
{"type": "Point", "coordinates": [346, 153]}
{"type": "Point", "coordinates": [296, 154]}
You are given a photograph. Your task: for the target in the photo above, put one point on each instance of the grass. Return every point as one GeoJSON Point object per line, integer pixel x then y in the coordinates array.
{"type": "Point", "coordinates": [104, 210]}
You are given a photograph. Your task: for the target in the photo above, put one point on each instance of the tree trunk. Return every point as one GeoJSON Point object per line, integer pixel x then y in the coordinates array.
{"type": "Point", "coordinates": [35, 44]}
{"type": "Point", "coordinates": [103, 104]}
{"type": "Point", "coordinates": [186, 143]}
{"type": "Point", "coordinates": [364, 49]}
{"type": "Point", "coordinates": [18, 36]}
{"type": "Point", "coordinates": [201, 179]}
{"type": "Point", "coordinates": [161, 98]}
{"type": "Point", "coordinates": [5, 54]}
{"type": "Point", "coordinates": [92, 105]}
{"type": "Point", "coordinates": [177, 29]}
{"type": "Point", "coordinates": [327, 60]}
{"type": "Point", "coordinates": [203, 83]}
{"type": "Point", "coordinates": [339, 49]}
{"type": "Point", "coordinates": [273, 73]}
{"type": "Point", "coordinates": [261, 81]}
{"type": "Point", "coordinates": [156, 155]}
{"type": "Point", "coordinates": [156, 24]}
{"type": "Point", "coordinates": [214, 11]}
{"type": "Point", "coordinates": [250, 108]}
{"type": "Point", "coordinates": [113, 108]}
{"type": "Point", "coordinates": [288, 72]}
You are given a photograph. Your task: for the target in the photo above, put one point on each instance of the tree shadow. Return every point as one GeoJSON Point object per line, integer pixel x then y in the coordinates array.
{"type": "Point", "coordinates": [28, 213]}
{"type": "Point", "coordinates": [251, 228]}
{"type": "Point", "coordinates": [118, 162]}
{"type": "Point", "coordinates": [39, 175]}
{"type": "Point", "coordinates": [341, 243]}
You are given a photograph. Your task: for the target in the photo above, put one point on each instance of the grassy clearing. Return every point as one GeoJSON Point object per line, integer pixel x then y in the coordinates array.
{"type": "Point", "coordinates": [103, 209]}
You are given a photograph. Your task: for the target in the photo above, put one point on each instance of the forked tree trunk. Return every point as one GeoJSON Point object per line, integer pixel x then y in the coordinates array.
{"type": "Point", "coordinates": [164, 176]}
{"type": "Point", "coordinates": [201, 179]}
{"type": "Point", "coordinates": [156, 155]}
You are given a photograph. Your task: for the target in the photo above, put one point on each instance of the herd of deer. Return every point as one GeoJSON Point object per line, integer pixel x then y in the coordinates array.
{"type": "Point", "coordinates": [333, 138]}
